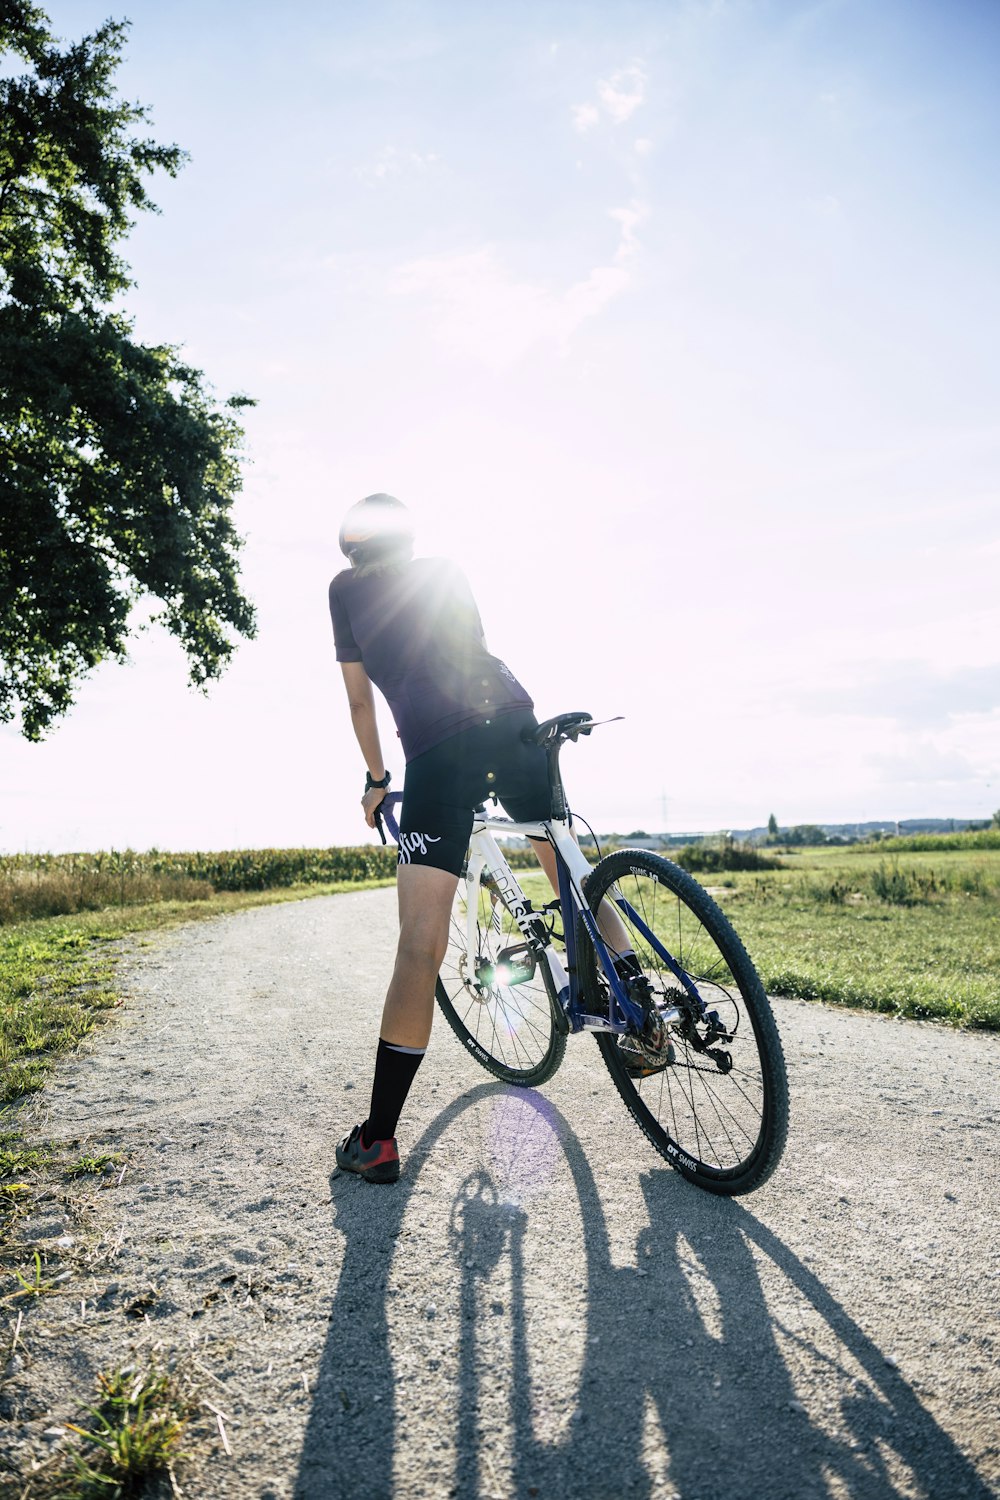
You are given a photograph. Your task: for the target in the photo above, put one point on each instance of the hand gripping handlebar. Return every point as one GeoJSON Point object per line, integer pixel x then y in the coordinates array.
{"type": "Point", "coordinates": [386, 818]}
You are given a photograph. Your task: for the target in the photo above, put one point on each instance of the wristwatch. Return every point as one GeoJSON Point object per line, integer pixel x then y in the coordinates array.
{"type": "Point", "coordinates": [371, 783]}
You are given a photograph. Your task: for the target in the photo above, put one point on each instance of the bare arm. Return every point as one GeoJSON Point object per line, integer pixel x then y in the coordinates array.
{"type": "Point", "coordinates": [362, 704]}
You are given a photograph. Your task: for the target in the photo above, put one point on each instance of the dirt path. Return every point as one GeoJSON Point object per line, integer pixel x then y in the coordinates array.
{"type": "Point", "coordinates": [541, 1307]}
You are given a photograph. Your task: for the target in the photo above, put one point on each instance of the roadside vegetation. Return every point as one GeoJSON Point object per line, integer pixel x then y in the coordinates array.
{"type": "Point", "coordinates": [726, 854]}
{"type": "Point", "coordinates": [933, 843]}
{"type": "Point", "coordinates": [910, 933]}
{"type": "Point", "coordinates": [914, 936]}
{"type": "Point", "coordinates": [49, 885]}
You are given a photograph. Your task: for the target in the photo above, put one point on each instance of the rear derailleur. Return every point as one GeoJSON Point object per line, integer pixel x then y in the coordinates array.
{"type": "Point", "coordinates": [713, 1039]}
{"type": "Point", "coordinates": [678, 1010]}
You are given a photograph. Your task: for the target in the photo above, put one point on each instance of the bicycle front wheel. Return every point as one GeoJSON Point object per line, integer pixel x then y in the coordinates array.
{"type": "Point", "coordinates": [706, 1080]}
{"type": "Point", "coordinates": [493, 995]}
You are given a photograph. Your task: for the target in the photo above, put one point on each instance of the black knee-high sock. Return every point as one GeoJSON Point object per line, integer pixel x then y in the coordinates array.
{"type": "Point", "coordinates": [395, 1070]}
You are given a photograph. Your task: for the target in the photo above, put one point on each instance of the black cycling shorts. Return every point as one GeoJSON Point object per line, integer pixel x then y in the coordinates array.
{"type": "Point", "coordinates": [445, 784]}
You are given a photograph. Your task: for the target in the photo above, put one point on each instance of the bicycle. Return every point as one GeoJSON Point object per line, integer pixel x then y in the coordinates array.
{"type": "Point", "coordinates": [682, 1020]}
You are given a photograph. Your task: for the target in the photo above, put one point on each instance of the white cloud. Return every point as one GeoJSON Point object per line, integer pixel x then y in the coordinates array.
{"type": "Point", "coordinates": [481, 310]}
{"type": "Point", "coordinates": [623, 92]}
{"type": "Point", "coordinates": [391, 161]}
{"type": "Point", "coordinates": [924, 761]}
{"type": "Point", "coordinates": [643, 146]}
{"type": "Point", "coordinates": [618, 99]}
{"type": "Point", "coordinates": [629, 218]}
{"type": "Point", "coordinates": [911, 692]}
{"type": "Point", "coordinates": [585, 116]}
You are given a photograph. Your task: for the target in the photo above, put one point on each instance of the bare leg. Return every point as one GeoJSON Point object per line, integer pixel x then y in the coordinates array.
{"type": "Point", "coordinates": [425, 897]}
{"type": "Point", "coordinates": [613, 929]}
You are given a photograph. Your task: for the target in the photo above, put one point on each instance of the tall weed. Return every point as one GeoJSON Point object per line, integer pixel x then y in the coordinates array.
{"type": "Point", "coordinates": [726, 855]}
{"type": "Point", "coordinates": [56, 885]}
{"type": "Point", "coordinates": [26, 894]}
{"type": "Point", "coordinates": [895, 886]}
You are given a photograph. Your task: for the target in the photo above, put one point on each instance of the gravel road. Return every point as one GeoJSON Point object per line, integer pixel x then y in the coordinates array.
{"type": "Point", "coordinates": [541, 1306]}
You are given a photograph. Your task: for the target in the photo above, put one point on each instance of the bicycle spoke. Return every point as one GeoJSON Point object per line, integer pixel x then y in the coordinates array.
{"type": "Point", "coordinates": [511, 1025]}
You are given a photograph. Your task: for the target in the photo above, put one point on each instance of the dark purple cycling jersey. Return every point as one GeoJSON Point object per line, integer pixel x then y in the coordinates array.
{"type": "Point", "coordinates": [416, 630]}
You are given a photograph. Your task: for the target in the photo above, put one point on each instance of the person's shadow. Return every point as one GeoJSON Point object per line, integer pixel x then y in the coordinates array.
{"type": "Point", "coordinates": [686, 1384]}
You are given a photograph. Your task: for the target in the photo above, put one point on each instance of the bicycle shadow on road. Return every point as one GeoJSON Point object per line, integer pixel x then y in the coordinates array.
{"type": "Point", "coordinates": [681, 1369]}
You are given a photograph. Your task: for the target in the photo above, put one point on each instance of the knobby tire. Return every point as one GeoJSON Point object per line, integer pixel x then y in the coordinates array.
{"type": "Point", "coordinates": [703, 1122]}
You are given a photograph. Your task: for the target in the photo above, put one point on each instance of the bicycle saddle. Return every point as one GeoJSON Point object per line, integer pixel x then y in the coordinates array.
{"type": "Point", "coordinates": [562, 727]}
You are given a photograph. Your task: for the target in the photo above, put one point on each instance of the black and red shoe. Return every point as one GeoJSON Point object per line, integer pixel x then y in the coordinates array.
{"type": "Point", "coordinates": [378, 1162]}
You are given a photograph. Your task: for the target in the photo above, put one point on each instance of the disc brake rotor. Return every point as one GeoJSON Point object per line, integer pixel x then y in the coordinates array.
{"type": "Point", "coordinates": [477, 991]}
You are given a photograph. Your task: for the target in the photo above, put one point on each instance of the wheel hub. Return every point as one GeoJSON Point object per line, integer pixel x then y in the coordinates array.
{"type": "Point", "coordinates": [474, 985]}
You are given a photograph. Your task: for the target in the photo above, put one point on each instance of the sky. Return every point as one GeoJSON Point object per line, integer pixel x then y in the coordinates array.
{"type": "Point", "coordinates": [672, 321]}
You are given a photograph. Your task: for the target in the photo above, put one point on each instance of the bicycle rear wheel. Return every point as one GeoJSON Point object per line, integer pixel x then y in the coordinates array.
{"type": "Point", "coordinates": [496, 1000]}
{"type": "Point", "coordinates": [714, 1101]}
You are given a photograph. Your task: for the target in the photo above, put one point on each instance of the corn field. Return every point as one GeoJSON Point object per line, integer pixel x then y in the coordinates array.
{"type": "Point", "coordinates": [47, 885]}
{"type": "Point", "coordinates": [41, 885]}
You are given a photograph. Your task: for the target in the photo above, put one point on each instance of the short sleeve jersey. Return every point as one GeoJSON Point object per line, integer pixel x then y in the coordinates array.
{"type": "Point", "coordinates": [417, 632]}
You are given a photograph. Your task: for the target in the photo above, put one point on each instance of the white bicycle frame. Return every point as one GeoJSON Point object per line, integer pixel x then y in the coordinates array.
{"type": "Point", "coordinates": [485, 855]}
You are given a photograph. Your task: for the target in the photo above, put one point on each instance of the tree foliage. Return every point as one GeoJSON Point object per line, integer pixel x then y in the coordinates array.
{"type": "Point", "coordinates": [803, 833]}
{"type": "Point", "coordinates": [119, 468]}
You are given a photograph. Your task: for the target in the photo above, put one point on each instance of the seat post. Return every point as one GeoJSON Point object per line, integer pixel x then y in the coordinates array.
{"type": "Point", "coordinates": [557, 795]}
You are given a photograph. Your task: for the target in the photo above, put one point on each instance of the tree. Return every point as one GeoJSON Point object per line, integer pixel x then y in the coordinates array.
{"type": "Point", "coordinates": [772, 825]}
{"type": "Point", "coordinates": [996, 818]}
{"type": "Point", "coordinates": [119, 468]}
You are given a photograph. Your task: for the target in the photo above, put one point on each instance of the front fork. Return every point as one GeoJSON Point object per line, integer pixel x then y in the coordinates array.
{"type": "Point", "coordinates": [491, 860]}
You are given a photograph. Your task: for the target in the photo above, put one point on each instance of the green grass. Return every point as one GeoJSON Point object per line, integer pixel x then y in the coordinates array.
{"type": "Point", "coordinates": [916, 936]}
{"type": "Point", "coordinates": [17, 1159]}
{"type": "Point", "coordinates": [913, 934]}
{"type": "Point", "coordinates": [128, 1445]}
{"type": "Point", "coordinates": [941, 961]}
{"type": "Point", "coordinates": [95, 1165]}
{"type": "Point", "coordinates": [35, 1284]}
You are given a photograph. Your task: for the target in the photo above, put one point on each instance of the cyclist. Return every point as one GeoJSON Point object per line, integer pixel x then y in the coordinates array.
{"type": "Point", "coordinates": [410, 626]}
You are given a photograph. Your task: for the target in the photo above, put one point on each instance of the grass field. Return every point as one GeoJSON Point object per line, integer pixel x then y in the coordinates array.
{"type": "Point", "coordinates": [915, 934]}
{"type": "Point", "coordinates": [912, 934]}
